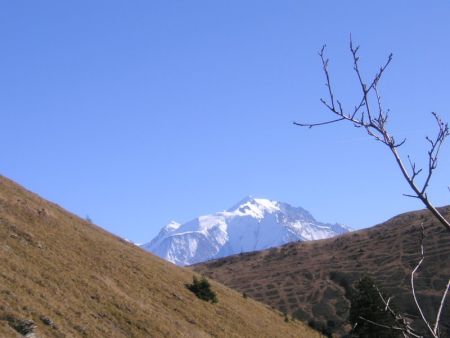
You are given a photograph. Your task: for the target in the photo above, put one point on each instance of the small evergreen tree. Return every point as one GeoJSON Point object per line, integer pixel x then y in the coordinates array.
{"type": "Point", "coordinates": [202, 289]}
{"type": "Point", "coordinates": [366, 303]}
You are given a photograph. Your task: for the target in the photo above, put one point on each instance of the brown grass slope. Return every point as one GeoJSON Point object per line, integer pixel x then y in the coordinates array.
{"type": "Point", "coordinates": [90, 283]}
{"type": "Point", "coordinates": [312, 280]}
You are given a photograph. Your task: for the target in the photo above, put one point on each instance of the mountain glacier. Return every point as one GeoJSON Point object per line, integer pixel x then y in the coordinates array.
{"type": "Point", "coordinates": [252, 224]}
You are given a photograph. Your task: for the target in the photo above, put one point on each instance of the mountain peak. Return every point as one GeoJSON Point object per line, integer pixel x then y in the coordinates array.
{"type": "Point", "coordinates": [260, 203]}
{"type": "Point", "coordinates": [241, 202]}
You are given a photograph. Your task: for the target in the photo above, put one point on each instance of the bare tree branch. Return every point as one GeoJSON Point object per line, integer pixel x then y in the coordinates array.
{"type": "Point", "coordinates": [374, 121]}
{"type": "Point", "coordinates": [373, 118]}
{"type": "Point", "coordinates": [406, 332]}
{"type": "Point", "coordinates": [412, 283]}
{"type": "Point", "coordinates": [434, 149]}
{"type": "Point", "coordinates": [402, 322]}
{"type": "Point", "coordinates": [438, 317]}
{"type": "Point", "coordinates": [381, 325]}
{"type": "Point", "coordinates": [317, 124]}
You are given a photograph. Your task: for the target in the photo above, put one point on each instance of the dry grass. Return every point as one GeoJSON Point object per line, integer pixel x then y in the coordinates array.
{"type": "Point", "coordinates": [93, 284]}
{"type": "Point", "coordinates": [311, 280]}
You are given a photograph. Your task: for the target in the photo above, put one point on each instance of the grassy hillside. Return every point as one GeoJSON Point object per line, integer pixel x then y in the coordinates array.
{"type": "Point", "coordinates": [313, 280]}
{"type": "Point", "coordinates": [73, 279]}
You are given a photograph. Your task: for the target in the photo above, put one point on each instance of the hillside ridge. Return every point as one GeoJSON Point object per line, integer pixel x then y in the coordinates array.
{"type": "Point", "coordinates": [313, 280]}
{"type": "Point", "coordinates": [62, 276]}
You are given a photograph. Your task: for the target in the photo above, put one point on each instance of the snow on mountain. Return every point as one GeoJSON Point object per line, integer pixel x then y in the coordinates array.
{"type": "Point", "coordinates": [252, 224]}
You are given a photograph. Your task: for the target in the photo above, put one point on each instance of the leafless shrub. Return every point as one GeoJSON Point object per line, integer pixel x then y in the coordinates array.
{"type": "Point", "coordinates": [373, 118]}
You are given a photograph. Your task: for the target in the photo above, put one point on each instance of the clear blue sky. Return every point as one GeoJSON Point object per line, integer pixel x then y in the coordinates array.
{"type": "Point", "coordinates": [141, 112]}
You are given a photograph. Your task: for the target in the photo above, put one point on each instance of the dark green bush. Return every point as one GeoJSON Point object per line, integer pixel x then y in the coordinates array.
{"type": "Point", "coordinates": [366, 303]}
{"type": "Point", "coordinates": [202, 289]}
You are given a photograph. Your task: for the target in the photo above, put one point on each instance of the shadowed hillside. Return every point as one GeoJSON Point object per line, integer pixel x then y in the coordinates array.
{"type": "Point", "coordinates": [313, 280]}
{"type": "Point", "coordinates": [73, 279]}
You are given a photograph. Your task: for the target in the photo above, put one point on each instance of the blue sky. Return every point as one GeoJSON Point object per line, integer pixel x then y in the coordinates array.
{"type": "Point", "coordinates": [141, 112]}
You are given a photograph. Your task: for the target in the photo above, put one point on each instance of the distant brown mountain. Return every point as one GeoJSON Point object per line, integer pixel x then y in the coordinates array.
{"type": "Point", "coordinates": [61, 276]}
{"type": "Point", "coordinates": [312, 280]}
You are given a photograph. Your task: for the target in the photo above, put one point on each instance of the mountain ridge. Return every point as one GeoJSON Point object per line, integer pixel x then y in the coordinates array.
{"type": "Point", "coordinates": [250, 225]}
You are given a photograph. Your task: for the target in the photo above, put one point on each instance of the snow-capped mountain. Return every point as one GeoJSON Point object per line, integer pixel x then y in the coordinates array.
{"type": "Point", "coordinates": [252, 224]}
